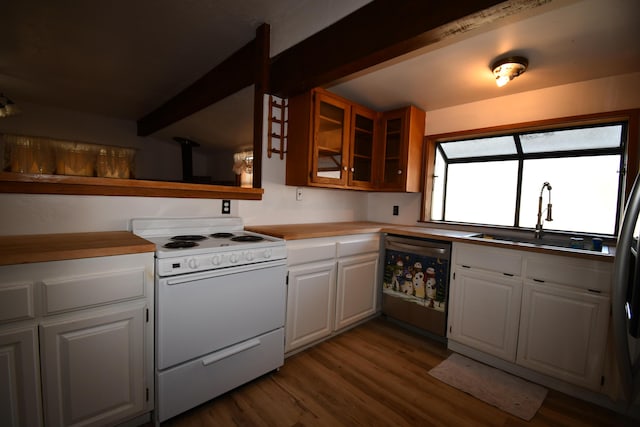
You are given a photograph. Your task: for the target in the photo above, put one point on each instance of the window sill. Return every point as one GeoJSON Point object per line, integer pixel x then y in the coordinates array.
{"type": "Point", "coordinates": [80, 185]}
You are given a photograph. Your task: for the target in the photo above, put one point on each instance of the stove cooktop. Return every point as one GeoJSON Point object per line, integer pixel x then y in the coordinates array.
{"type": "Point", "coordinates": [180, 237]}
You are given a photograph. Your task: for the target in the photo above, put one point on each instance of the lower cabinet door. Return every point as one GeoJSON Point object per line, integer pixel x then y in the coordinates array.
{"type": "Point", "coordinates": [563, 333]}
{"type": "Point", "coordinates": [19, 378]}
{"type": "Point", "coordinates": [93, 367]}
{"type": "Point", "coordinates": [357, 289]}
{"type": "Point", "coordinates": [484, 312]}
{"type": "Point", "coordinates": [310, 303]}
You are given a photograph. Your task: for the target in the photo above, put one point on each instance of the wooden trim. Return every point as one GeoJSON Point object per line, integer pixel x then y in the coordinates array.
{"type": "Point", "coordinates": [261, 88]}
{"type": "Point", "coordinates": [427, 177]}
{"type": "Point", "coordinates": [79, 185]}
{"type": "Point", "coordinates": [632, 149]}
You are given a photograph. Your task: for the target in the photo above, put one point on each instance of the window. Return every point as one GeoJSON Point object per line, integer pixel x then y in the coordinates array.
{"type": "Point", "coordinates": [497, 179]}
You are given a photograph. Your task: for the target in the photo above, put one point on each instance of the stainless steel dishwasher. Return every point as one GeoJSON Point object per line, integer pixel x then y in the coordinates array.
{"type": "Point", "coordinates": [415, 283]}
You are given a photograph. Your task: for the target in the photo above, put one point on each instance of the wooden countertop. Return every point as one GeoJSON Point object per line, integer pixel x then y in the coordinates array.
{"type": "Point", "coordinates": [313, 230]}
{"type": "Point", "coordinates": [25, 249]}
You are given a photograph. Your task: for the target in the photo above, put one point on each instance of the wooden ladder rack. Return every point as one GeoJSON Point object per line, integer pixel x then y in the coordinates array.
{"type": "Point", "coordinates": [277, 126]}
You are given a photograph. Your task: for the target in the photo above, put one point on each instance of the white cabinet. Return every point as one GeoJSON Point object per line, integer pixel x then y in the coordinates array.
{"type": "Point", "coordinates": [332, 284]}
{"type": "Point", "coordinates": [82, 332]}
{"type": "Point", "coordinates": [93, 366]}
{"type": "Point", "coordinates": [357, 289]}
{"type": "Point", "coordinates": [547, 313]}
{"type": "Point", "coordinates": [310, 302]}
{"type": "Point", "coordinates": [487, 308]}
{"type": "Point", "coordinates": [19, 377]}
{"type": "Point", "coordinates": [565, 318]}
{"type": "Point", "coordinates": [485, 293]}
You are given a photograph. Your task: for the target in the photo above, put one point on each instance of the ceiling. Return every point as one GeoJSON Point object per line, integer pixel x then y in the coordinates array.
{"type": "Point", "coordinates": [124, 58]}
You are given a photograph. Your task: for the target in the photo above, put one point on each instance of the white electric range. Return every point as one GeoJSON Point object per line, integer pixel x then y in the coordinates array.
{"type": "Point", "coordinates": [220, 307]}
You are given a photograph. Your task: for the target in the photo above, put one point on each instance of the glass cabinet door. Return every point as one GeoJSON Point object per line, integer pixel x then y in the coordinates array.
{"type": "Point", "coordinates": [362, 152]}
{"type": "Point", "coordinates": [392, 163]}
{"type": "Point", "coordinates": [331, 134]}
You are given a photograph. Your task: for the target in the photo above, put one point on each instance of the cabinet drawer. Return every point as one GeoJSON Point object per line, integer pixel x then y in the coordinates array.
{"type": "Point", "coordinates": [579, 273]}
{"type": "Point", "coordinates": [489, 258]}
{"type": "Point", "coordinates": [75, 292]}
{"type": "Point", "coordinates": [304, 251]}
{"type": "Point", "coordinates": [214, 374]}
{"type": "Point", "coordinates": [16, 302]}
{"type": "Point", "coordinates": [357, 246]}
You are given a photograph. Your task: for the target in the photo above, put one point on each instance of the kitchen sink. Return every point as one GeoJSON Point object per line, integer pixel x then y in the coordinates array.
{"type": "Point", "coordinates": [555, 241]}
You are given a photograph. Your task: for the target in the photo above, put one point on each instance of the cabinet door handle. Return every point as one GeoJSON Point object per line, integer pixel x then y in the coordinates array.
{"type": "Point", "coordinates": [353, 169]}
{"type": "Point", "coordinates": [399, 171]}
{"type": "Point", "coordinates": [231, 351]}
{"type": "Point", "coordinates": [345, 168]}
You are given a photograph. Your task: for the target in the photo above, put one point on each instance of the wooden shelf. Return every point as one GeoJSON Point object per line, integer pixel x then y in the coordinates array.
{"type": "Point", "coordinates": [328, 125]}
{"type": "Point", "coordinates": [80, 185]}
{"type": "Point", "coordinates": [328, 151]}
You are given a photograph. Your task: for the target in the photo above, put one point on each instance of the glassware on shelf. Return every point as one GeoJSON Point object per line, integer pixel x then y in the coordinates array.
{"type": "Point", "coordinates": [37, 155]}
{"type": "Point", "coordinates": [28, 155]}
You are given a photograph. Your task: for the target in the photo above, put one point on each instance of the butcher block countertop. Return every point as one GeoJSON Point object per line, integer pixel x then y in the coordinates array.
{"type": "Point", "coordinates": [55, 247]}
{"type": "Point", "coordinates": [313, 230]}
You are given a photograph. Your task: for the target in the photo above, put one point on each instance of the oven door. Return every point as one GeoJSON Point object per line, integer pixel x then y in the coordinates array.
{"type": "Point", "coordinates": [204, 312]}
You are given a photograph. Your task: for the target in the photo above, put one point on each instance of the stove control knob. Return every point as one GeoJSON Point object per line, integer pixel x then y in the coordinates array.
{"type": "Point", "coordinates": [267, 253]}
{"type": "Point", "coordinates": [249, 256]}
{"type": "Point", "coordinates": [216, 260]}
{"type": "Point", "coordinates": [233, 258]}
{"type": "Point", "coordinates": [192, 263]}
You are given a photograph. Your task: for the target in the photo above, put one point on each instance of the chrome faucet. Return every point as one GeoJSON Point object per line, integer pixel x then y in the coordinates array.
{"type": "Point", "coordinates": [538, 232]}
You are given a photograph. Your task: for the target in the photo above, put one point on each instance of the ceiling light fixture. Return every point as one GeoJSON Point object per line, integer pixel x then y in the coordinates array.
{"type": "Point", "coordinates": [506, 69]}
{"type": "Point", "coordinates": [7, 107]}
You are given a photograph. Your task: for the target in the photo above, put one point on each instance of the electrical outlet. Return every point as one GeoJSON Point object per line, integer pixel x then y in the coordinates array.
{"type": "Point", "coordinates": [299, 193]}
{"type": "Point", "coordinates": [396, 210]}
{"type": "Point", "coordinates": [226, 206]}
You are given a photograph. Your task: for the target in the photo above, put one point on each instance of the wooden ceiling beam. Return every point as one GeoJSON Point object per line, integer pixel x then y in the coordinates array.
{"type": "Point", "coordinates": [233, 74]}
{"type": "Point", "coordinates": [377, 32]}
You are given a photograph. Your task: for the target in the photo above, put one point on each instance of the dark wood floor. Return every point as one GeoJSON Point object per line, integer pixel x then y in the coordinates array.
{"type": "Point", "coordinates": [374, 375]}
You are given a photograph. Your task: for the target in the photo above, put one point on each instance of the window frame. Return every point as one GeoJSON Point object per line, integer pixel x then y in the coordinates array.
{"type": "Point", "coordinates": [630, 155]}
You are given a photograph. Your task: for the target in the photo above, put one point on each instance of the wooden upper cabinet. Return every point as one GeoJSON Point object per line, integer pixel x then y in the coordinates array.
{"type": "Point", "coordinates": [336, 143]}
{"type": "Point", "coordinates": [401, 148]}
{"type": "Point", "coordinates": [362, 148]}
{"type": "Point", "coordinates": [331, 125]}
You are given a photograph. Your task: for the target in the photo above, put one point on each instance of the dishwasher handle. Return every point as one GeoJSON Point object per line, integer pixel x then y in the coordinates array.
{"type": "Point", "coordinates": [422, 248]}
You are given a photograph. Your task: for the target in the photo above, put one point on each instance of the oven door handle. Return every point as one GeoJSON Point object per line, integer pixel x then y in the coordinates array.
{"type": "Point", "coordinates": [232, 351]}
{"type": "Point", "coordinates": [416, 249]}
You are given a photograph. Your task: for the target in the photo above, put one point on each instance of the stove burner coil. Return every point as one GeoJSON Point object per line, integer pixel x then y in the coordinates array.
{"type": "Point", "coordinates": [180, 244]}
{"type": "Point", "coordinates": [221, 235]}
{"type": "Point", "coordinates": [247, 238]}
{"type": "Point", "coordinates": [189, 237]}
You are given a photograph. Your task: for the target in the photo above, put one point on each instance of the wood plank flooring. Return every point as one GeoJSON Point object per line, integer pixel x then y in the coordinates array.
{"type": "Point", "coordinates": [374, 375]}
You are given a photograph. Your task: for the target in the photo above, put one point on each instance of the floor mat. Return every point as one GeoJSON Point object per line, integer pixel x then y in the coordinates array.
{"type": "Point", "coordinates": [493, 386]}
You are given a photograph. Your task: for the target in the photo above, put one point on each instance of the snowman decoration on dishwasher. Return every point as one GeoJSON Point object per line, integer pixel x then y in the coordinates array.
{"type": "Point", "coordinates": [418, 281]}
{"type": "Point", "coordinates": [431, 286]}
